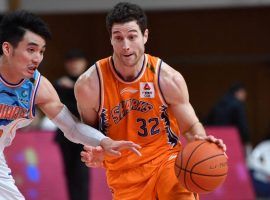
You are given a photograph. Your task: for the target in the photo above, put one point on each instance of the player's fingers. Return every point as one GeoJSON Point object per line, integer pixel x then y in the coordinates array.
{"type": "Point", "coordinates": [219, 142]}
{"type": "Point", "coordinates": [97, 150]}
{"type": "Point", "coordinates": [211, 138]}
{"type": "Point", "coordinates": [113, 152]}
{"type": "Point", "coordinates": [197, 137]}
{"type": "Point", "coordinates": [127, 144]}
{"type": "Point", "coordinates": [84, 157]}
{"type": "Point", "coordinates": [131, 146]}
{"type": "Point", "coordinates": [84, 154]}
{"type": "Point", "coordinates": [94, 164]}
{"type": "Point", "coordinates": [134, 150]}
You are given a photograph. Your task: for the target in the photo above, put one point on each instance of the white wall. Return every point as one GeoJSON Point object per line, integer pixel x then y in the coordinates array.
{"type": "Point", "coordinates": [3, 5]}
{"type": "Point", "coordinates": [56, 6]}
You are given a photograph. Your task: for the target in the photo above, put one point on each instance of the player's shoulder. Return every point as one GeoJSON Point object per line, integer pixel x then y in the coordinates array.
{"type": "Point", "coordinates": [88, 76]}
{"type": "Point", "coordinates": [169, 75]}
{"type": "Point", "coordinates": [172, 84]}
{"type": "Point", "coordinates": [87, 81]}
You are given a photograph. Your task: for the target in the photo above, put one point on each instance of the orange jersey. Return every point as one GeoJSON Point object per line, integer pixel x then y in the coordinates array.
{"type": "Point", "coordinates": [136, 111]}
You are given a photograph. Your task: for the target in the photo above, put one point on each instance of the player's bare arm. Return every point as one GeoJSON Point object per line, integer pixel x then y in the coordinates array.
{"type": "Point", "coordinates": [77, 132]}
{"type": "Point", "coordinates": [176, 95]}
{"type": "Point", "coordinates": [47, 99]}
{"type": "Point", "coordinates": [87, 96]}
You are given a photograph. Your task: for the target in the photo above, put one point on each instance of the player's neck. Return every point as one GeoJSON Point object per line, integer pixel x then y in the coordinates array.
{"type": "Point", "coordinates": [128, 73]}
{"type": "Point", "coordinates": [10, 76]}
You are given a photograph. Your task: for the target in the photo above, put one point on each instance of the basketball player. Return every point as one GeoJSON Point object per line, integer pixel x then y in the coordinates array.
{"type": "Point", "coordinates": [23, 42]}
{"type": "Point", "coordinates": [135, 96]}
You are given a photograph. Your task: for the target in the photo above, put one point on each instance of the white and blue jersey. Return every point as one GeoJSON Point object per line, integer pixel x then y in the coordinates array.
{"type": "Point", "coordinates": [17, 110]}
{"type": "Point", "coordinates": [16, 107]}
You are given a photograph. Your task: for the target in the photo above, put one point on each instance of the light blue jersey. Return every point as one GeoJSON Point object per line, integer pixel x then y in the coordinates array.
{"type": "Point", "coordinates": [17, 110]}
{"type": "Point", "coordinates": [16, 106]}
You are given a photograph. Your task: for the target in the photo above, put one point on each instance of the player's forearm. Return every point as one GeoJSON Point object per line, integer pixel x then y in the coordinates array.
{"type": "Point", "coordinates": [76, 131]}
{"type": "Point", "coordinates": [195, 129]}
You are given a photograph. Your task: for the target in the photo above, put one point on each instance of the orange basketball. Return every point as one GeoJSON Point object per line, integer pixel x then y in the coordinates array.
{"type": "Point", "coordinates": [201, 166]}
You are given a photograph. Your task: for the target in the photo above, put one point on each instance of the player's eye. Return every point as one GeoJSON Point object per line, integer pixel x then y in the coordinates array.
{"type": "Point", "coordinates": [132, 37]}
{"type": "Point", "coordinates": [42, 52]}
{"type": "Point", "coordinates": [31, 50]}
{"type": "Point", "coordinates": [118, 38]}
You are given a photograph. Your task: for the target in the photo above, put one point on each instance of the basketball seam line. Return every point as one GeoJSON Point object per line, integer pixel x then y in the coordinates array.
{"type": "Point", "coordinates": [185, 174]}
{"type": "Point", "coordinates": [203, 174]}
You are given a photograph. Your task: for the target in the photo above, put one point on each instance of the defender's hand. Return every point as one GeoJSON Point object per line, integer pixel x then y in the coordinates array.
{"type": "Point", "coordinates": [113, 147]}
{"type": "Point", "coordinates": [94, 156]}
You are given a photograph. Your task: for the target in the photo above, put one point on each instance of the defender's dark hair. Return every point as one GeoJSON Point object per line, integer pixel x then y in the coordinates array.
{"type": "Point", "coordinates": [14, 25]}
{"type": "Point", "coordinates": [125, 12]}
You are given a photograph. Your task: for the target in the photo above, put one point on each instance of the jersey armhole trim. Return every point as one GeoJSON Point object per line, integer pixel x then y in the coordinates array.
{"type": "Point", "coordinates": [36, 86]}
{"type": "Point", "coordinates": [162, 98]}
{"type": "Point", "coordinates": [101, 89]}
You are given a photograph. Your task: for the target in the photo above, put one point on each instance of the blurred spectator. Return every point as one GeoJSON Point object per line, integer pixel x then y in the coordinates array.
{"type": "Point", "coordinates": [230, 111]}
{"type": "Point", "coordinates": [259, 164]}
{"type": "Point", "coordinates": [77, 174]}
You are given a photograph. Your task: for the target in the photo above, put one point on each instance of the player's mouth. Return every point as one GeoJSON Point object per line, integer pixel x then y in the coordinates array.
{"type": "Point", "coordinates": [128, 55]}
{"type": "Point", "coordinates": [32, 69]}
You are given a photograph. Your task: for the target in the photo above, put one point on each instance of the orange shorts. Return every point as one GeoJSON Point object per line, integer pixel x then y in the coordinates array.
{"type": "Point", "coordinates": [155, 180]}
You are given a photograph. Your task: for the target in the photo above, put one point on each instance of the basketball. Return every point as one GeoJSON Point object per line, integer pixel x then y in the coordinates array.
{"type": "Point", "coordinates": [201, 166]}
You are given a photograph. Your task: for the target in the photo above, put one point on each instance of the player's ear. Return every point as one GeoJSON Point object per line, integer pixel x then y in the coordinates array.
{"type": "Point", "coordinates": [145, 36]}
{"type": "Point", "coordinates": [6, 48]}
{"type": "Point", "coordinates": [111, 40]}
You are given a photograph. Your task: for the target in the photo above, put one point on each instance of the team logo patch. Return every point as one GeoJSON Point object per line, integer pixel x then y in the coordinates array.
{"type": "Point", "coordinates": [147, 90]}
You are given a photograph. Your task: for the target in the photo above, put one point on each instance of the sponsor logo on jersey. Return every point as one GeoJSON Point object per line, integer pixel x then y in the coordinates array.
{"type": "Point", "coordinates": [10, 112]}
{"type": "Point", "coordinates": [147, 90]}
{"type": "Point", "coordinates": [24, 94]}
{"type": "Point", "coordinates": [125, 107]}
{"type": "Point", "coordinates": [129, 90]}
{"type": "Point", "coordinates": [24, 97]}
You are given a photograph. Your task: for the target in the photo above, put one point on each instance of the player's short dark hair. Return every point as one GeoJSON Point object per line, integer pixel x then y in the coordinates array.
{"type": "Point", "coordinates": [125, 12]}
{"type": "Point", "coordinates": [14, 25]}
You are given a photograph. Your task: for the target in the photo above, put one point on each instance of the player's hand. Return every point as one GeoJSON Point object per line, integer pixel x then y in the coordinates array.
{"type": "Point", "coordinates": [93, 156]}
{"type": "Point", "coordinates": [113, 147]}
{"type": "Point", "coordinates": [211, 138]}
